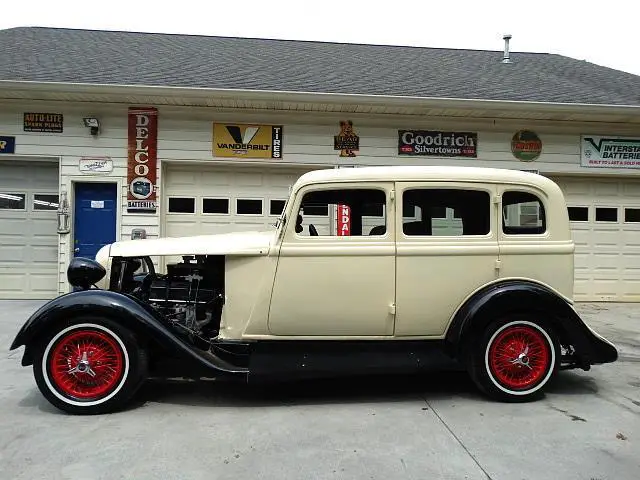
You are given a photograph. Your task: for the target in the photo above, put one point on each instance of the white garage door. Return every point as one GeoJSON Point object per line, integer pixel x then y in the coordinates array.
{"type": "Point", "coordinates": [200, 200]}
{"type": "Point", "coordinates": [605, 220]}
{"type": "Point", "coordinates": [28, 237]}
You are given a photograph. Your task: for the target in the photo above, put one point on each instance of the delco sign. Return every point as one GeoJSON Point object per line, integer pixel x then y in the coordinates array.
{"type": "Point", "coordinates": [434, 143]}
{"type": "Point", "coordinates": [142, 159]}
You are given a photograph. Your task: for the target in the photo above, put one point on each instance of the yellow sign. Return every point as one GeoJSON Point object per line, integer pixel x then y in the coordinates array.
{"type": "Point", "coordinates": [247, 141]}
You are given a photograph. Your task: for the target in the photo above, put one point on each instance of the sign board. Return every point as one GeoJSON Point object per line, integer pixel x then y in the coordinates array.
{"type": "Point", "coordinates": [7, 145]}
{"type": "Point", "coordinates": [343, 221]}
{"type": "Point", "coordinates": [347, 141]}
{"type": "Point", "coordinates": [609, 151]}
{"type": "Point", "coordinates": [42, 122]}
{"type": "Point", "coordinates": [97, 203]}
{"type": "Point", "coordinates": [432, 143]}
{"type": "Point", "coordinates": [247, 141]}
{"type": "Point", "coordinates": [526, 146]}
{"type": "Point", "coordinates": [91, 165]}
{"type": "Point", "coordinates": [142, 159]}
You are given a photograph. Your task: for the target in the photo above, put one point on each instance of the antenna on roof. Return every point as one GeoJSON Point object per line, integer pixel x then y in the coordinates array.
{"type": "Point", "coordinates": [505, 56]}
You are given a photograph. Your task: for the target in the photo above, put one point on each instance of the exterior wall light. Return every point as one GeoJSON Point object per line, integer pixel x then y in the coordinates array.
{"type": "Point", "coordinates": [92, 123]}
{"type": "Point", "coordinates": [63, 214]}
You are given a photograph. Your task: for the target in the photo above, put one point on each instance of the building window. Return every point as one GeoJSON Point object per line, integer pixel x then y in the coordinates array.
{"type": "Point", "coordinates": [446, 212]}
{"type": "Point", "coordinates": [182, 205]}
{"type": "Point", "coordinates": [578, 214]}
{"type": "Point", "coordinates": [632, 215]}
{"type": "Point", "coordinates": [43, 201]}
{"type": "Point", "coordinates": [342, 213]}
{"type": "Point", "coordinates": [522, 213]}
{"type": "Point", "coordinates": [247, 206]}
{"type": "Point", "coordinates": [12, 201]}
{"type": "Point", "coordinates": [606, 214]}
{"type": "Point", "coordinates": [215, 205]}
{"type": "Point", "coordinates": [276, 207]}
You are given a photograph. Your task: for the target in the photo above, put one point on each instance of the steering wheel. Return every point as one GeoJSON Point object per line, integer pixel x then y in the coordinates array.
{"type": "Point", "coordinates": [312, 230]}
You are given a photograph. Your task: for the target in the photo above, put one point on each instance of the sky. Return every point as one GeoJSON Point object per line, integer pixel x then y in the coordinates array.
{"type": "Point", "coordinates": [604, 33]}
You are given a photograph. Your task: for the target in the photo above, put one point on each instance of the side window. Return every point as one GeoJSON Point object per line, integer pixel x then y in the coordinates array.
{"type": "Point", "coordinates": [522, 213]}
{"type": "Point", "coordinates": [342, 213]}
{"type": "Point", "coordinates": [445, 212]}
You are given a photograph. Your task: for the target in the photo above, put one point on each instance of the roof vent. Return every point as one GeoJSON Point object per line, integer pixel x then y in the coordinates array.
{"type": "Point", "coordinates": [505, 56]}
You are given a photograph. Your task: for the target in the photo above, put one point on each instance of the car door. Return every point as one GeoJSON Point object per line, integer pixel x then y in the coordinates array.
{"type": "Point", "coordinates": [446, 249]}
{"type": "Point", "coordinates": [336, 268]}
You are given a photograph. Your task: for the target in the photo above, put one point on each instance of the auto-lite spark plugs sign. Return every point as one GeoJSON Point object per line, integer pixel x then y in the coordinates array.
{"type": "Point", "coordinates": [142, 159]}
{"type": "Point", "coordinates": [431, 143]}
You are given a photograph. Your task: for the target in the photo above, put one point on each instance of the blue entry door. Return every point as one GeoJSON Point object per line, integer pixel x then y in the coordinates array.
{"type": "Point", "coordinates": [95, 217]}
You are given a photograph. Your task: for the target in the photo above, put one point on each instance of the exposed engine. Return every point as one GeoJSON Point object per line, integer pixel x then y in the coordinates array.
{"type": "Point", "coordinates": [190, 296]}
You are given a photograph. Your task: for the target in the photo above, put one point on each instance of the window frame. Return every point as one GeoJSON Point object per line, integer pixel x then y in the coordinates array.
{"type": "Point", "coordinates": [25, 200]}
{"type": "Point", "coordinates": [235, 207]}
{"type": "Point", "coordinates": [284, 205]}
{"type": "Point", "coordinates": [579, 206]}
{"type": "Point", "coordinates": [195, 205]}
{"type": "Point", "coordinates": [624, 216]}
{"type": "Point", "coordinates": [403, 186]}
{"type": "Point", "coordinates": [290, 235]}
{"type": "Point", "coordinates": [543, 203]}
{"type": "Point", "coordinates": [607, 222]}
{"type": "Point", "coordinates": [215, 214]}
{"type": "Point", "coordinates": [40, 210]}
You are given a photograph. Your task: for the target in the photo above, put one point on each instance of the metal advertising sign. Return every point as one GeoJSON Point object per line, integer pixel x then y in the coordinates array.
{"type": "Point", "coordinates": [95, 165]}
{"type": "Point", "coordinates": [347, 141]}
{"type": "Point", "coordinates": [247, 141]}
{"type": "Point", "coordinates": [43, 122]}
{"type": "Point", "coordinates": [7, 144]}
{"type": "Point", "coordinates": [343, 221]}
{"type": "Point", "coordinates": [433, 143]}
{"type": "Point", "coordinates": [609, 152]}
{"type": "Point", "coordinates": [526, 146]}
{"type": "Point", "coordinates": [142, 159]}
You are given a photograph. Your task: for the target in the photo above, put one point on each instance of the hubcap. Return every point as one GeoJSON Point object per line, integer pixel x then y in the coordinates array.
{"type": "Point", "coordinates": [519, 357]}
{"type": "Point", "coordinates": [86, 364]}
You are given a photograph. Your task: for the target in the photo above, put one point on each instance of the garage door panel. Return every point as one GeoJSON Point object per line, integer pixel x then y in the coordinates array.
{"type": "Point", "coordinates": [11, 254]}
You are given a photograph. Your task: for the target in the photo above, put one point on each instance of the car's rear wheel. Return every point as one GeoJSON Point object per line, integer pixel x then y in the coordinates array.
{"type": "Point", "coordinates": [89, 366]}
{"type": "Point", "coordinates": [515, 358]}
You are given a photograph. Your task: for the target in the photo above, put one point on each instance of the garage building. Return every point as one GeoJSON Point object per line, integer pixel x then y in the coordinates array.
{"type": "Point", "coordinates": [70, 100]}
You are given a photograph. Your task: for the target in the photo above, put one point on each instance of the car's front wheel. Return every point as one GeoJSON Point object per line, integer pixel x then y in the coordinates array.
{"type": "Point", "coordinates": [514, 358]}
{"type": "Point", "coordinates": [89, 366]}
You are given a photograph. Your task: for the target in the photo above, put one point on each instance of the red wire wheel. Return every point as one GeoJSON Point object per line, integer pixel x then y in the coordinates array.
{"type": "Point", "coordinates": [519, 357]}
{"type": "Point", "coordinates": [86, 364]}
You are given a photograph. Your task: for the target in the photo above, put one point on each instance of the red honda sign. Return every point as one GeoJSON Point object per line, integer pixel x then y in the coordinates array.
{"type": "Point", "coordinates": [344, 221]}
{"type": "Point", "coordinates": [142, 159]}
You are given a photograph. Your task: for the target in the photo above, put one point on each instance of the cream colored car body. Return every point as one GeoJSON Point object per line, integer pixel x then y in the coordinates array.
{"type": "Point", "coordinates": [281, 285]}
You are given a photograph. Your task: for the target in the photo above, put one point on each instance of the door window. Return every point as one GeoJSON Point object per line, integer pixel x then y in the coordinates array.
{"type": "Point", "coordinates": [522, 213]}
{"type": "Point", "coordinates": [445, 212]}
{"type": "Point", "coordinates": [342, 213]}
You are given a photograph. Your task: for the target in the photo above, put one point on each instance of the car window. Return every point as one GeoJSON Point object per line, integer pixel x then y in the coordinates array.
{"type": "Point", "coordinates": [522, 213]}
{"type": "Point", "coordinates": [342, 213]}
{"type": "Point", "coordinates": [445, 212]}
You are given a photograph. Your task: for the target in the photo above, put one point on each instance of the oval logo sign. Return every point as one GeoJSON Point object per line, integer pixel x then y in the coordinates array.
{"type": "Point", "coordinates": [526, 145]}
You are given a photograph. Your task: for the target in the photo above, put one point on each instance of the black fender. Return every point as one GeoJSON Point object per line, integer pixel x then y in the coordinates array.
{"type": "Point", "coordinates": [511, 296]}
{"type": "Point", "coordinates": [128, 311]}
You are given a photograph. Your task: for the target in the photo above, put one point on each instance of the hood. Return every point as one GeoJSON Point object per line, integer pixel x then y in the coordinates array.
{"type": "Point", "coordinates": [239, 243]}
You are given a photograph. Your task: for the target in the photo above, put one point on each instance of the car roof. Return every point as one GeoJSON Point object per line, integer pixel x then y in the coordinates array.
{"type": "Point", "coordinates": [426, 173]}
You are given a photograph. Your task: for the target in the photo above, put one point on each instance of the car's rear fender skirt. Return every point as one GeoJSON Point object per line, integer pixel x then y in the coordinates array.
{"type": "Point", "coordinates": [513, 296]}
{"type": "Point", "coordinates": [141, 319]}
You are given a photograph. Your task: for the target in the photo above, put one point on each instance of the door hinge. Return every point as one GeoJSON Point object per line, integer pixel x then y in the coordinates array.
{"type": "Point", "coordinates": [392, 308]}
{"type": "Point", "coordinates": [498, 264]}
{"type": "Point", "coordinates": [392, 195]}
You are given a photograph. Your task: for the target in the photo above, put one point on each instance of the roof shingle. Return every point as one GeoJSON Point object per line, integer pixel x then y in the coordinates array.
{"type": "Point", "coordinates": [127, 58]}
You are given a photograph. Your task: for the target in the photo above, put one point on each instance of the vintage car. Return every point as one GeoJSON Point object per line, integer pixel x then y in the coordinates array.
{"type": "Point", "coordinates": [367, 270]}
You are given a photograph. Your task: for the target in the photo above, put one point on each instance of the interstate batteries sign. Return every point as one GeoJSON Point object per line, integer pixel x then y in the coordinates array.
{"type": "Point", "coordinates": [433, 143]}
{"type": "Point", "coordinates": [247, 141]}
{"type": "Point", "coordinates": [612, 152]}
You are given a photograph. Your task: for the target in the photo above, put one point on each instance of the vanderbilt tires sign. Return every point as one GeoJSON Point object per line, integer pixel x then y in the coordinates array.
{"type": "Point", "coordinates": [247, 141]}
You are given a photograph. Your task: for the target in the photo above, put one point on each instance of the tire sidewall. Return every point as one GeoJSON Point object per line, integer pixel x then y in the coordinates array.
{"type": "Point", "coordinates": [481, 371]}
{"type": "Point", "coordinates": [132, 377]}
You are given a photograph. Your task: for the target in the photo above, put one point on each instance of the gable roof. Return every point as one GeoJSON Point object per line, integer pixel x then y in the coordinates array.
{"type": "Point", "coordinates": [39, 54]}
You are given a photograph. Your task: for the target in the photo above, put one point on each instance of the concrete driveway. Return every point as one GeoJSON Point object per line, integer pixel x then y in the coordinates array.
{"type": "Point", "coordinates": [433, 427]}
